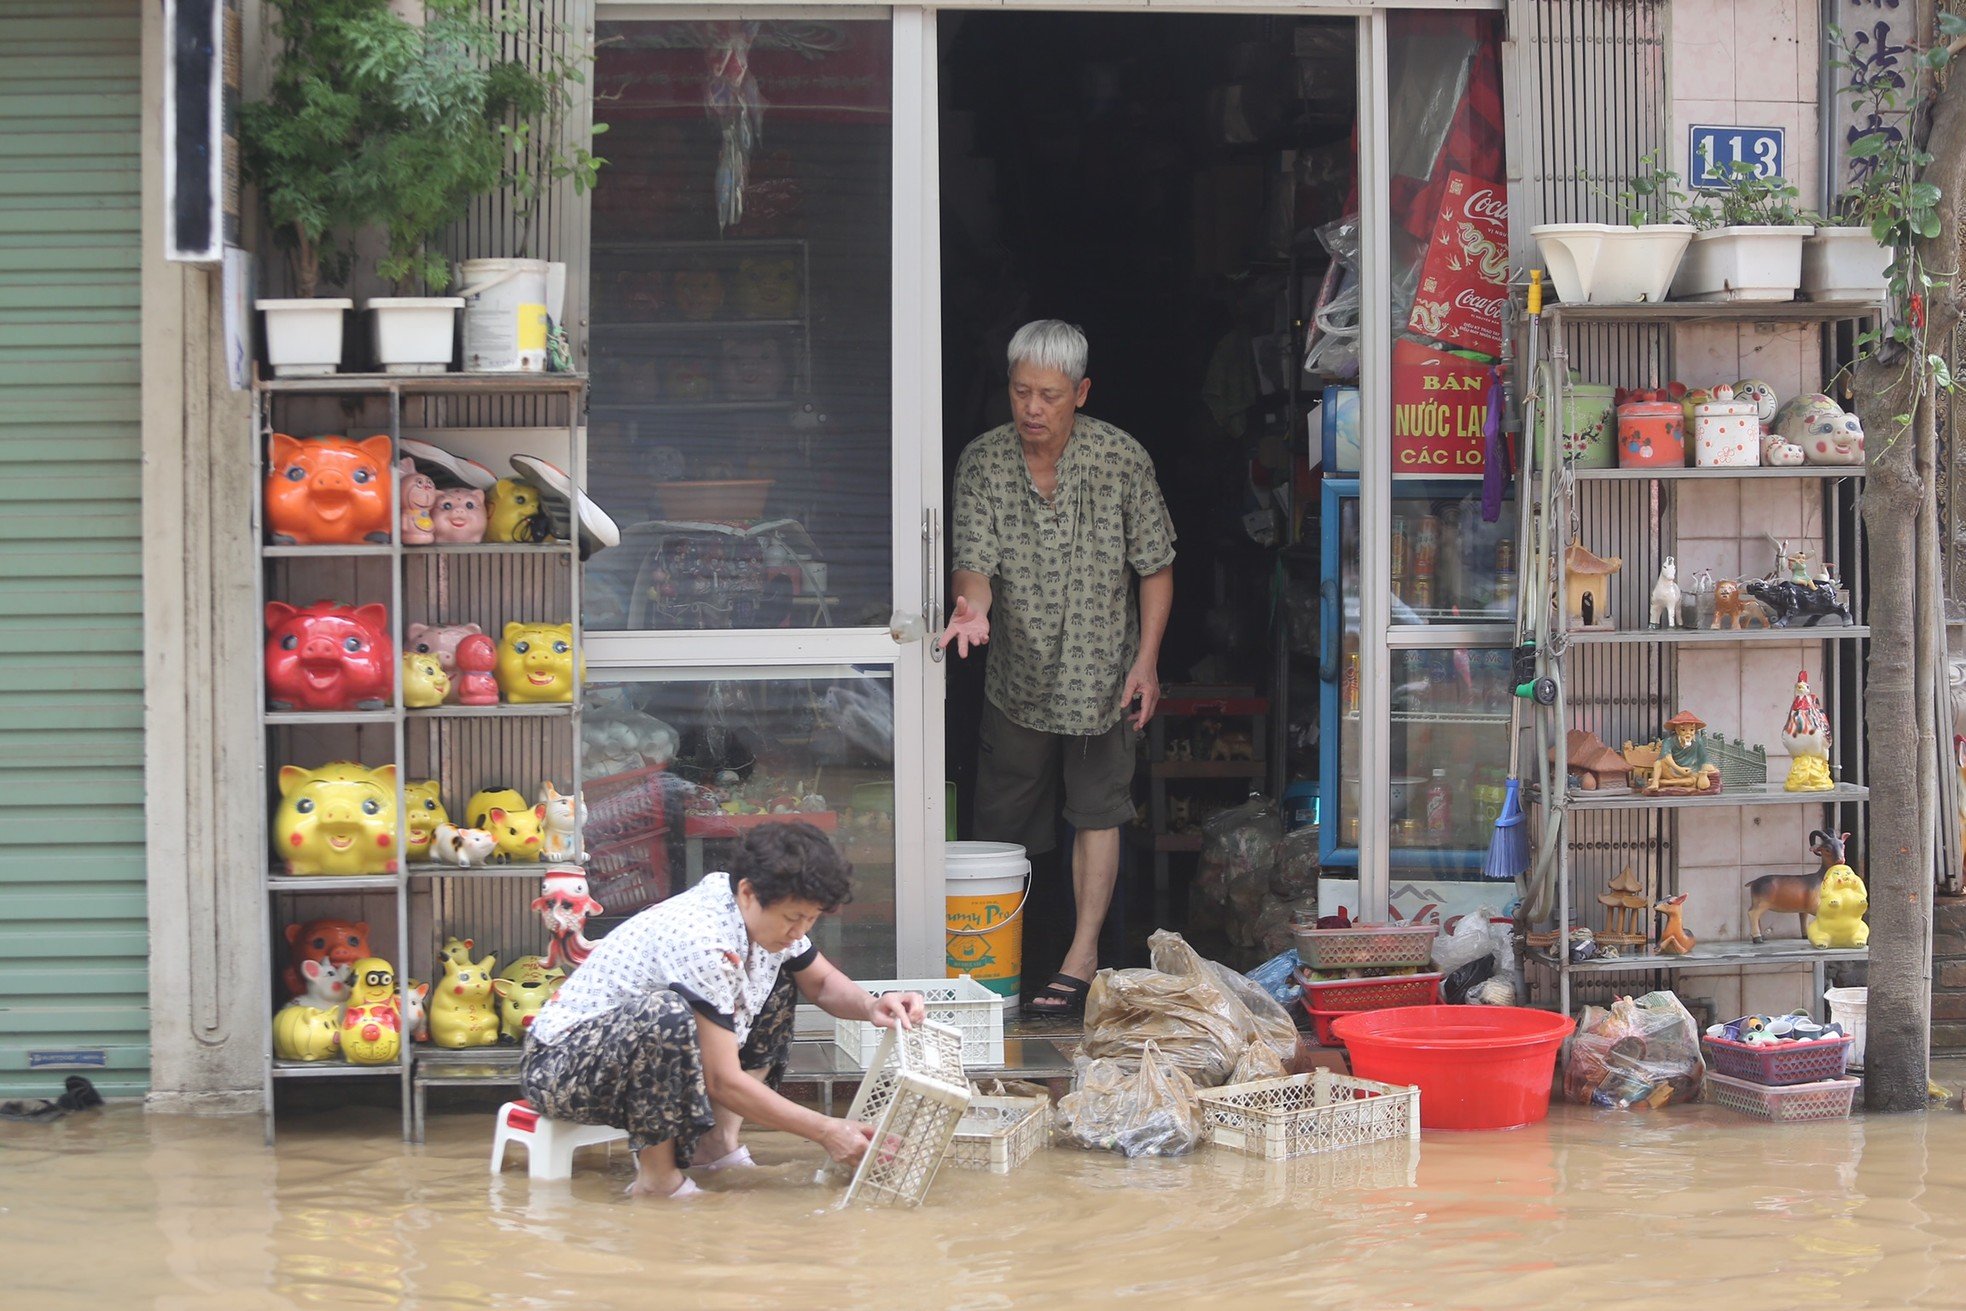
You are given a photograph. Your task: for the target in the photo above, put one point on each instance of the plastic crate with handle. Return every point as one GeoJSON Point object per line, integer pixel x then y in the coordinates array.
{"type": "Point", "coordinates": [1778, 1062]}
{"type": "Point", "coordinates": [1825, 1099]}
{"type": "Point", "coordinates": [1364, 947]}
{"type": "Point", "coordinates": [961, 1003]}
{"type": "Point", "coordinates": [629, 876]}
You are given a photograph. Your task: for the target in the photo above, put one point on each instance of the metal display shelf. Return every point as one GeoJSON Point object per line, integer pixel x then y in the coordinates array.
{"type": "Point", "coordinates": [534, 871]}
{"type": "Point", "coordinates": [463, 748]}
{"type": "Point", "coordinates": [1623, 684]}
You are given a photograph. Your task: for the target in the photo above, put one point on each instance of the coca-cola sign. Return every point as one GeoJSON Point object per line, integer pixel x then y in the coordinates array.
{"type": "Point", "coordinates": [1464, 278]}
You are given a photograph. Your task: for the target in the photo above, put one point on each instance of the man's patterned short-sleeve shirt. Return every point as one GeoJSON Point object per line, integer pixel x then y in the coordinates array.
{"type": "Point", "coordinates": [1064, 625]}
{"type": "Point", "coordinates": [694, 944]}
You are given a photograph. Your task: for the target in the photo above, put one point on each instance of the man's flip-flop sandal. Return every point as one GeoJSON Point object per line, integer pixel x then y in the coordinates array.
{"type": "Point", "coordinates": [1064, 995]}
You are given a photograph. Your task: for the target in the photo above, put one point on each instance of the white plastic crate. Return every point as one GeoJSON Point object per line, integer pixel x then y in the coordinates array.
{"type": "Point", "coordinates": [914, 1094]}
{"type": "Point", "coordinates": [999, 1134]}
{"type": "Point", "coordinates": [1299, 1114]}
{"type": "Point", "coordinates": [962, 1003]}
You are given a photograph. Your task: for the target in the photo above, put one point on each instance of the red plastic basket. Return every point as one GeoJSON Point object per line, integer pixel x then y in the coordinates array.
{"type": "Point", "coordinates": [1778, 1063]}
{"type": "Point", "coordinates": [1828, 1099]}
{"type": "Point", "coordinates": [1322, 1021]}
{"type": "Point", "coordinates": [1337, 996]}
{"type": "Point", "coordinates": [629, 876]}
{"type": "Point", "coordinates": [623, 806]}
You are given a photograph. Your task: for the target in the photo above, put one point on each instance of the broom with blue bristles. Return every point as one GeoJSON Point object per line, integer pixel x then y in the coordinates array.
{"type": "Point", "coordinates": [1508, 849]}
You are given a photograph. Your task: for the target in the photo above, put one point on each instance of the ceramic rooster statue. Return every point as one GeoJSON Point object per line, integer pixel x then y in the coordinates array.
{"type": "Point", "coordinates": [563, 906]}
{"type": "Point", "coordinates": [1806, 735]}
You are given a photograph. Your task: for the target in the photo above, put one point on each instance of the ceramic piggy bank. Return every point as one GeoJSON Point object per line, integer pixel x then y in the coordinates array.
{"type": "Point", "coordinates": [325, 942]}
{"type": "Point", "coordinates": [535, 663]}
{"type": "Point", "coordinates": [514, 825]}
{"type": "Point", "coordinates": [465, 848]}
{"type": "Point", "coordinates": [1820, 427]}
{"type": "Point", "coordinates": [767, 288]}
{"type": "Point", "coordinates": [308, 1028]}
{"type": "Point", "coordinates": [459, 515]}
{"type": "Point", "coordinates": [339, 819]}
{"type": "Point", "coordinates": [328, 490]}
{"type": "Point", "coordinates": [417, 1022]}
{"type": "Point", "coordinates": [328, 657]}
{"type": "Point", "coordinates": [441, 640]}
{"type": "Point", "coordinates": [514, 508]}
{"type": "Point", "coordinates": [524, 986]}
{"type": "Point", "coordinates": [461, 1010]}
{"type": "Point", "coordinates": [425, 683]}
{"type": "Point", "coordinates": [426, 807]}
{"type": "Point", "coordinates": [419, 497]}
{"type": "Point", "coordinates": [474, 683]}
{"type": "Point", "coordinates": [372, 1023]}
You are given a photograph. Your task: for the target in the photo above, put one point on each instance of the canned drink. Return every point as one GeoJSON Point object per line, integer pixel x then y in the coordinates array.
{"type": "Point", "coordinates": [1426, 546]}
{"type": "Point", "coordinates": [1504, 557]}
{"type": "Point", "coordinates": [1422, 597]}
{"type": "Point", "coordinates": [1399, 546]}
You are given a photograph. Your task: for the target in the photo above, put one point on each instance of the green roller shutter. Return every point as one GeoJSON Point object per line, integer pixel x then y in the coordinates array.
{"type": "Point", "coordinates": [73, 933]}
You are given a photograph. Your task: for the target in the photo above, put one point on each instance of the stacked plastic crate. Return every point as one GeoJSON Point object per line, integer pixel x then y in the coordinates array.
{"type": "Point", "coordinates": [1783, 1079]}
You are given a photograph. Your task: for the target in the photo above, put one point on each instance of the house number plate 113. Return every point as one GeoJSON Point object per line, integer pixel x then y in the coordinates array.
{"type": "Point", "coordinates": [1712, 153]}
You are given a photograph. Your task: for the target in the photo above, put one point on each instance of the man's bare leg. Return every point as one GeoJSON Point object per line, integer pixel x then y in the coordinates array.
{"type": "Point", "coordinates": [1095, 869]}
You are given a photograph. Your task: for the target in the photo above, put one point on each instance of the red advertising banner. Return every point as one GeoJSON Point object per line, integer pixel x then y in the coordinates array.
{"type": "Point", "coordinates": [1464, 279]}
{"type": "Point", "coordinates": [1440, 404]}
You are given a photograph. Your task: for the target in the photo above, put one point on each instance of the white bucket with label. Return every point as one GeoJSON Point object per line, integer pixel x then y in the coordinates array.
{"type": "Point", "coordinates": [505, 318]}
{"type": "Point", "coordinates": [1847, 1007]}
{"type": "Point", "coordinates": [987, 887]}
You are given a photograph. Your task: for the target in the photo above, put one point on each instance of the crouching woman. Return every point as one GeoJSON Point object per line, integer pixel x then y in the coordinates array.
{"type": "Point", "coordinates": [677, 1028]}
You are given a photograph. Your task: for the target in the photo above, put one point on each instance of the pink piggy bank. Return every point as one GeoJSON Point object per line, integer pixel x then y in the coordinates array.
{"type": "Point", "coordinates": [459, 515]}
{"type": "Point", "coordinates": [328, 657]}
{"type": "Point", "coordinates": [441, 640]}
{"type": "Point", "coordinates": [419, 504]}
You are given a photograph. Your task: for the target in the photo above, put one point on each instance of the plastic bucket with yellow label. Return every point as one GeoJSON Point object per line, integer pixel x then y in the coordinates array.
{"type": "Point", "coordinates": [504, 315]}
{"type": "Point", "coordinates": [987, 886]}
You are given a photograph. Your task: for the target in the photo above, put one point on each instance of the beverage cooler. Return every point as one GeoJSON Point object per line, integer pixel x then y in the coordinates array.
{"type": "Point", "coordinates": [1451, 633]}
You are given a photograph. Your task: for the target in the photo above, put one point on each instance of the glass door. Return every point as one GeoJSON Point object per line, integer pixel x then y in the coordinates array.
{"type": "Point", "coordinates": [753, 369]}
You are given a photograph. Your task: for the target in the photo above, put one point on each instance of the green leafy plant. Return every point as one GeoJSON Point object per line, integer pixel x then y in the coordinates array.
{"type": "Point", "coordinates": [1655, 195]}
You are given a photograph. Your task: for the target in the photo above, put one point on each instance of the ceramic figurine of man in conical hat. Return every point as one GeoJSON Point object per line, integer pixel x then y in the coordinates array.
{"type": "Point", "coordinates": [1806, 735]}
{"type": "Point", "coordinates": [1683, 765]}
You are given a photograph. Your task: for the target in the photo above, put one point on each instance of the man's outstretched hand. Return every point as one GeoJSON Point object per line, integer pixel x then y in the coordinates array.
{"type": "Point", "coordinates": [967, 628]}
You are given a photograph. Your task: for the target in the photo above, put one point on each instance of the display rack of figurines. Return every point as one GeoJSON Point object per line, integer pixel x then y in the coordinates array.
{"type": "Point", "coordinates": [476, 1004]}
{"type": "Point", "coordinates": [1739, 425]}
{"type": "Point", "coordinates": [341, 1003]}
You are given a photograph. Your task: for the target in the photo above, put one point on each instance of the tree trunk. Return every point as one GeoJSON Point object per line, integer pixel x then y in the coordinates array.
{"type": "Point", "coordinates": [1898, 415]}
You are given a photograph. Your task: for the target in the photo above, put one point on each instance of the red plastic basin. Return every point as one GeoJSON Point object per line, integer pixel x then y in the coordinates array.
{"type": "Point", "coordinates": [1477, 1067]}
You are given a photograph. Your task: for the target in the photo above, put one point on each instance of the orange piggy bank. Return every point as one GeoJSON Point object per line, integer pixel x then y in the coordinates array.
{"type": "Point", "coordinates": [328, 490]}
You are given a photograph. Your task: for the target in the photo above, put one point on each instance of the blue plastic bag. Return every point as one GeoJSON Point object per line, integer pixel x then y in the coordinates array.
{"type": "Point", "coordinates": [1274, 976]}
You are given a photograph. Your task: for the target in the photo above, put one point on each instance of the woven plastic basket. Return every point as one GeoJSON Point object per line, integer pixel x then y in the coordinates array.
{"type": "Point", "coordinates": [1363, 948]}
{"type": "Point", "coordinates": [622, 806]}
{"type": "Point", "coordinates": [914, 1094]}
{"type": "Point", "coordinates": [962, 1003]}
{"type": "Point", "coordinates": [1301, 1114]}
{"type": "Point", "coordinates": [1340, 995]}
{"type": "Point", "coordinates": [999, 1134]}
{"type": "Point", "coordinates": [1827, 1099]}
{"type": "Point", "coordinates": [1778, 1062]}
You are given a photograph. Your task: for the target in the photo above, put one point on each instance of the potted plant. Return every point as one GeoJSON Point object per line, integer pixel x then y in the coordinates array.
{"type": "Point", "coordinates": [300, 146]}
{"type": "Point", "coordinates": [1849, 256]}
{"type": "Point", "coordinates": [1618, 263]}
{"type": "Point", "coordinates": [1748, 239]}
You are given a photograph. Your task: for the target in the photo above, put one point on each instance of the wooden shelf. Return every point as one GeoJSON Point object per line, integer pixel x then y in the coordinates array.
{"type": "Point", "coordinates": [321, 717]}
{"type": "Point", "coordinates": [1763, 794]}
{"type": "Point", "coordinates": [331, 1070]}
{"type": "Point", "coordinates": [1748, 637]}
{"type": "Point", "coordinates": [405, 384]}
{"type": "Point", "coordinates": [1675, 474]}
{"type": "Point", "coordinates": [1716, 311]}
{"type": "Point", "coordinates": [1716, 955]}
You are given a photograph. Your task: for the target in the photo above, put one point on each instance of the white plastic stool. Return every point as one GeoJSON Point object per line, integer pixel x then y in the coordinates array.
{"type": "Point", "coordinates": [549, 1144]}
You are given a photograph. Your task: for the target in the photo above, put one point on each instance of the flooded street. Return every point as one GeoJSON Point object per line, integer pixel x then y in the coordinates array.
{"type": "Point", "coordinates": [1696, 1206]}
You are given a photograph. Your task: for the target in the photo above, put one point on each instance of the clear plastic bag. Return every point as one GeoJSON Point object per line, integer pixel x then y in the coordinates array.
{"type": "Point", "coordinates": [1239, 850]}
{"type": "Point", "coordinates": [1200, 1015]}
{"type": "Point", "coordinates": [1641, 1050]}
{"type": "Point", "coordinates": [1298, 865]}
{"type": "Point", "coordinates": [1143, 1109]}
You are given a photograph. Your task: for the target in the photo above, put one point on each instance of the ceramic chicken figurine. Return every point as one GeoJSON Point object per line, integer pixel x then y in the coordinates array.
{"type": "Point", "coordinates": [1806, 735]}
{"type": "Point", "coordinates": [372, 1024]}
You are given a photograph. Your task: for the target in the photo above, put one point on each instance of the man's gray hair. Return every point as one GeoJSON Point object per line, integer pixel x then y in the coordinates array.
{"type": "Point", "coordinates": [1050, 344]}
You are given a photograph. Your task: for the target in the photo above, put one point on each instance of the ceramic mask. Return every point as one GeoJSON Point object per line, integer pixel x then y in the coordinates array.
{"type": "Point", "coordinates": [753, 369]}
{"type": "Point", "coordinates": [328, 657]}
{"type": "Point", "coordinates": [699, 293]}
{"type": "Point", "coordinates": [339, 819]}
{"type": "Point", "coordinates": [535, 663]}
{"type": "Point", "coordinates": [459, 515]}
{"type": "Point", "coordinates": [768, 288]}
{"type": "Point", "coordinates": [425, 683]}
{"type": "Point", "coordinates": [328, 490]}
{"type": "Point", "coordinates": [426, 812]}
{"type": "Point", "coordinates": [329, 942]}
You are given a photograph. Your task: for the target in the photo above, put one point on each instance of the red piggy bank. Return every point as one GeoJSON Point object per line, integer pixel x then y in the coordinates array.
{"type": "Point", "coordinates": [331, 942]}
{"type": "Point", "coordinates": [328, 657]}
{"type": "Point", "coordinates": [328, 490]}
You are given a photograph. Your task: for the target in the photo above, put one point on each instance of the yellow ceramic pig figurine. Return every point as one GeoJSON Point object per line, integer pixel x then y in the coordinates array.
{"type": "Point", "coordinates": [308, 1028]}
{"type": "Point", "coordinates": [514, 507]}
{"type": "Point", "coordinates": [1840, 908]}
{"type": "Point", "coordinates": [425, 683]}
{"type": "Point", "coordinates": [372, 1025]}
{"type": "Point", "coordinates": [426, 807]}
{"type": "Point", "coordinates": [524, 986]}
{"type": "Point", "coordinates": [339, 819]}
{"type": "Point", "coordinates": [513, 824]}
{"type": "Point", "coordinates": [461, 1012]}
{"type": "Point", "coordinates": [535, 663]}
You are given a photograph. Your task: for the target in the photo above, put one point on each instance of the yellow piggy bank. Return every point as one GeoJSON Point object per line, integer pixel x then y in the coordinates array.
{"type": "Point", "coordinates": [424, 681]}
{"type": "Point", "coordinates": [1840, 908]}
{"type": "Point", "coordinates": [535, 663]}
{"type": "Point", "coordinates": [512, 823]}
{"type": "Point", "coordinates": [338, 820]}
{"type": "Point", "coordinates": [426, 812]}
{"type": "Point", "coordinates": [514, 509]}
{"type": "Point", "coordinates": [524, 986]}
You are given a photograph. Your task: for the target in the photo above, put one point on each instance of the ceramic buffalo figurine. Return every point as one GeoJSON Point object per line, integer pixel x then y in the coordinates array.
{"type": "Point", "coordinates": [1792, 605]}
{"type": "Point", "coordinates": [328, 490]}
{"type": "Point", "coordinates": [459, 515]}
{"type": "Point", "coordinates": [1820, 427]}
{"type": "Point", "coordinates": [325, 942]}
{"type": "Point", "coordinates": [535, 663]}
{"type": "Point", "coordinates": [339, 819]}
{"type": "Point", "coordinates": [328, 656]}
{"type": "Point", "coordinates": [419, 495]}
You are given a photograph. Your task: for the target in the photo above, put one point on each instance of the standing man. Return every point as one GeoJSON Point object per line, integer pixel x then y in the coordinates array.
{"type": "Point", "coordinates": [1055, 514]}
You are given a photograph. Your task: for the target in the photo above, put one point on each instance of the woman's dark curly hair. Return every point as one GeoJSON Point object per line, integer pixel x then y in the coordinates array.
{"type": "Point", "coordinates": [793, 860]}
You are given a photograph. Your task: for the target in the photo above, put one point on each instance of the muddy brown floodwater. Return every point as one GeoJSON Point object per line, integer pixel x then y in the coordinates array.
{"type": "Point", "coordinates": [1693, 1207]}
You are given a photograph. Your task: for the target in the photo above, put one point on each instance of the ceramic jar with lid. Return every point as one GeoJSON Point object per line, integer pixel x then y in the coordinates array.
{"type": "Point", "coordinates": [1727, 432]}
{"type": "Point", "coordinates": [1651, 435]}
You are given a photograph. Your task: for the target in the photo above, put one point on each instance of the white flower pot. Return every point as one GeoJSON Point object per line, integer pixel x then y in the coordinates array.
{"type": "Point", "coordinates": [415, 334]}
{"type": "Point", "coordinates": [1845, 264]}
{"type": "Point", "coordinates": [1744, 263]}
{"type": "Point", "coordinates": [1608, 263]}
{"type": "Point", "coordinates": [303, 337]}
